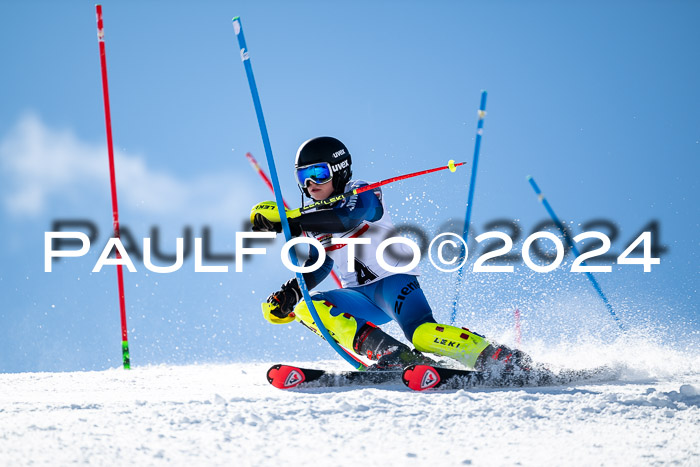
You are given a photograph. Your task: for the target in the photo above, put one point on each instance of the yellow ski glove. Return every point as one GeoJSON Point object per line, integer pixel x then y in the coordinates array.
{"type": "Point", "coordinates": [265, 217]}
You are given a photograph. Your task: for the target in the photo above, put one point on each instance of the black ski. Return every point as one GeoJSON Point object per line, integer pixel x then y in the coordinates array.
{"type": "Point", "coordinates": [423, 377]}
{"type": "Point", "coordinates": [288, 377]}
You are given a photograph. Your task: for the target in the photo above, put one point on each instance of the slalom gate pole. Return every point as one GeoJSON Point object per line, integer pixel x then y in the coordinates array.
{"type": "Point", "coordinates": [263, 175]}
{"type": "Point", "coordinates": [571, 244]}
{"type": "Point", "coordinates": [113, 183]}
{"type": "Point", "coordinates": [245, 57]}
{"type": "Point", "coordinates": [334, 199]}
{"type": "Point", "coordinates": [470, 200]}
{"type": "Point", "coordinates": [267, 181]}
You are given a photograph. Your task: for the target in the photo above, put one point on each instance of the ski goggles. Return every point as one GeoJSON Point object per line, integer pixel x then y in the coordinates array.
{"type": "Point", "coordinates": [318, 173]}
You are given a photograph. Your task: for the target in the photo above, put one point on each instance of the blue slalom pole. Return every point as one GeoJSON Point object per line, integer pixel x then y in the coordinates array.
{"type": "Point", "coordinates": [571, 244]}
{"type": "Point", "coordinates": [245, 57]}
{"type": "Point", "coordinates": [470, 199]}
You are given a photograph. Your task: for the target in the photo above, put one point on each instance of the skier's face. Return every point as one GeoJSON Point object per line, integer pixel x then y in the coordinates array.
{"type": "Point", "coordinates": [319, 192]}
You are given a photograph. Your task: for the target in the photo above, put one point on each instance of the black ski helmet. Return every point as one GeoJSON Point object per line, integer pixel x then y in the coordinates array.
{"type": "Point", "coordinates": [330, 150]}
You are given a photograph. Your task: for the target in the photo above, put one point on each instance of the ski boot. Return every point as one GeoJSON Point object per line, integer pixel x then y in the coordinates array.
{"type": "Point", "coordinates": [389, 353]}
{"type": "Point", "coordinates": [400, 359]}
{"type": "Point", "coordinates": [505, 357]}
{"type": "Point", "coordinates": [513, 367]}
{"type": "Point", "coordinates": [497, 362]}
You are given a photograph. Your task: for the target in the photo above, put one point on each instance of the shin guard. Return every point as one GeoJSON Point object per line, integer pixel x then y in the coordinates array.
{"type": "Point", "coordinates": [449, 341]}
{"type": "Point", "coordinates": [342, 327]}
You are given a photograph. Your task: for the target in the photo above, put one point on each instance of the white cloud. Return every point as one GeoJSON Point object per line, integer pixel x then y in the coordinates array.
{"type": "Point", "coordinates": [41, 165]}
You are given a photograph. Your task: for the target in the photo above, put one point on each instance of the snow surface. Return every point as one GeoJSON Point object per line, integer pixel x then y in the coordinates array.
{"type": "Point", "coordinates": [227, 414]}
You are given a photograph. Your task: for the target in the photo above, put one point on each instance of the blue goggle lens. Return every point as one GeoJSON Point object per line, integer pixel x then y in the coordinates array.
{"type": "Point", "coordinates": [318, 173]}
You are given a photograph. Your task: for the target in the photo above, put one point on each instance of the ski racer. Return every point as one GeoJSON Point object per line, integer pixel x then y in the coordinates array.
{"type": "Point", "coordinates": [371, 296]}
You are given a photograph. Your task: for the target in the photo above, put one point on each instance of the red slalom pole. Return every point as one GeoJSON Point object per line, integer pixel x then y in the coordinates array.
{"type": "Point", "coordinates": [517, 327]}
{"type": "Point", "coordinates": [262, 174]}
{"type": "Point", "coordinates": [113, 183]}
{"type": "Point", "coordinates": [267, 181]}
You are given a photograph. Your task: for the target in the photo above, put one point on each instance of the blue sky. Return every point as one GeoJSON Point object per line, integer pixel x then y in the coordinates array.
{"type": "Point", "coordinates": [597, 100]}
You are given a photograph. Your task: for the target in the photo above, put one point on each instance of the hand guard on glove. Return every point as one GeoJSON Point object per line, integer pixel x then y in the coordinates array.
{"type": "Point", "coordinates": [262, 224]}
{"type": "Point", "coordinates": [285, 298]}
{"type": "Point", "coordinates": [265, 217]}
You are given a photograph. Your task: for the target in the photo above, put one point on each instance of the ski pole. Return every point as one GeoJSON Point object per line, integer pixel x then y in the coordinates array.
{"type": "Point", "coordinates": [245, 57]}
{"type": "Point", "coordinates": [334, 199]}
{"type": "Point", "coordinates": [262, 174]}
{"type": "Point", "coordinates": [571, 244]}
{"type": "Point", "coordinates": [470, 198]}
{"type": "Point", "coordinates": [113, 185]}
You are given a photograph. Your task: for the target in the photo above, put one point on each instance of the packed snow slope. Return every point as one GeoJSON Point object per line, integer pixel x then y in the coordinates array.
{"type": "Point", "coordinates": [227, 414]}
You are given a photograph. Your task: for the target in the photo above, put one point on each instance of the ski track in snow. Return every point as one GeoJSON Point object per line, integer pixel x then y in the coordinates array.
{"type": "Point", "coordinates": [229, 415]}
